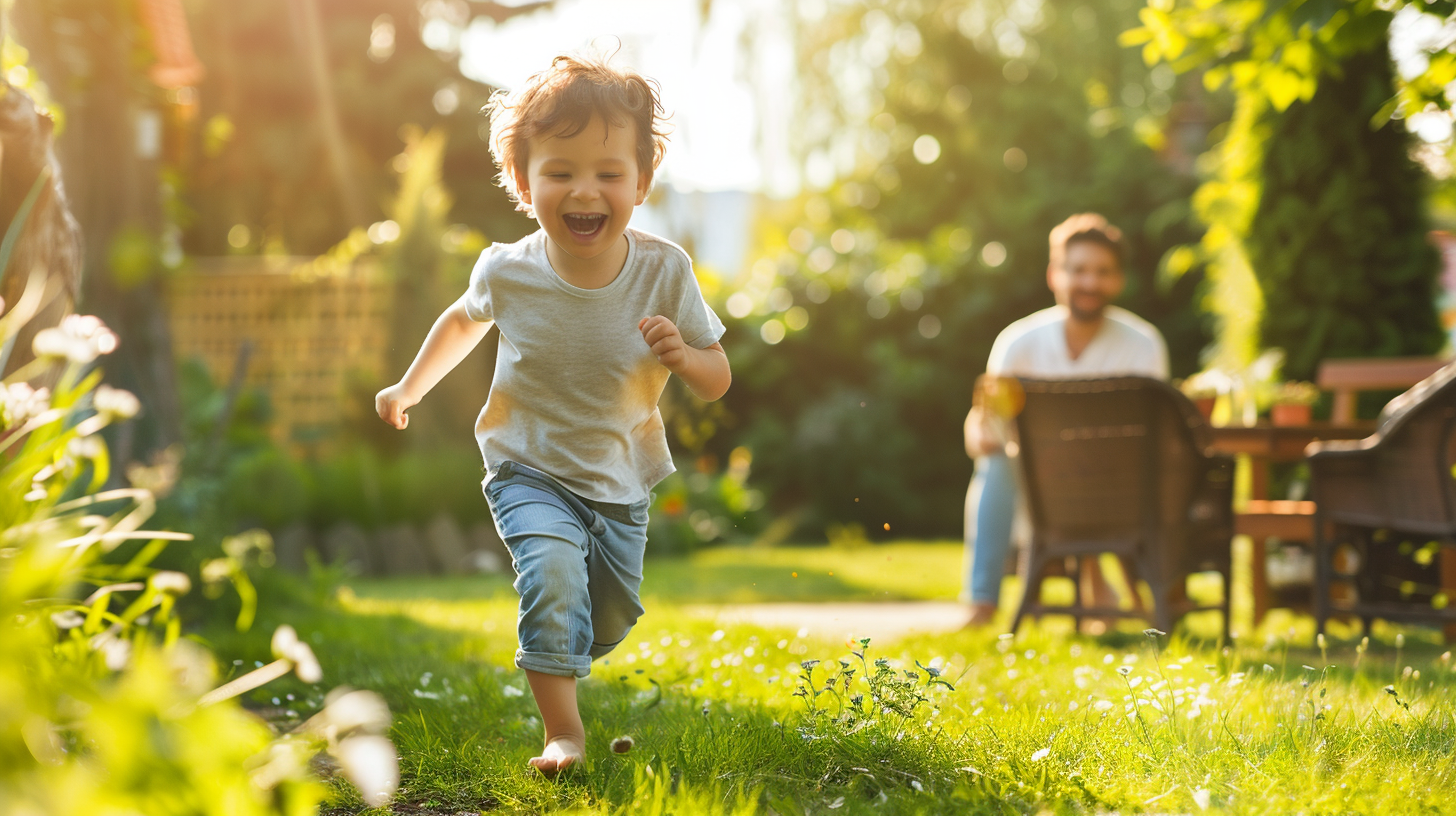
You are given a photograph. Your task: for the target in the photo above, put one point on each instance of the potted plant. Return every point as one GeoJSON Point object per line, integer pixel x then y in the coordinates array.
{"type": "Point", "coordinates": [1292, 403]}
{"type": "Point", "coordinates": [1203, 389]}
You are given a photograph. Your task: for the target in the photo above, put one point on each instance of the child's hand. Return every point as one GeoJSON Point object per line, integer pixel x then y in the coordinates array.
{"type": "Point", "coordinates": [665, 341]}
{"type": "Point", "coordinates": [392, 402]}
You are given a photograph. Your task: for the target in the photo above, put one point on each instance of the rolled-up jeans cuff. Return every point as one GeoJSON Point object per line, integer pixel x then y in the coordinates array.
{"type": "Point", "coordinates": [561, 665]}
{"type": "Point", "coordinates": [602, 649]}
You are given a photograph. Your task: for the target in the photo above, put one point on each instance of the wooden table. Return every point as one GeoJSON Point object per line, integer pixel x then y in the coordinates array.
{"type": "Point", "coordinates": [1259, 518]}
{"type": "Point", "coordinates": [1265, 444]}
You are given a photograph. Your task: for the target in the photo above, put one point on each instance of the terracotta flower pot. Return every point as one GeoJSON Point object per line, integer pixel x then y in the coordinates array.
{"type": "Point", "coordinates": [1288, 414]}
{"type": "Point", "coordinates": [1205, 407]}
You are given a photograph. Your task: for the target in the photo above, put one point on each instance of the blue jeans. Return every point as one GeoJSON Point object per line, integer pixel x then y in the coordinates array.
{"type": "Point", "coordinates": [578, 568]}
{"type": "Point", "coordinates": [990, 510]}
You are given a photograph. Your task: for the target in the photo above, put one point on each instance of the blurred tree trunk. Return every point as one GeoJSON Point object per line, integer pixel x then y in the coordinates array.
{"type": "Point", "coordinates": [308, 30]}
{"type": "Point", "coordinates": [85, 52]}
{"type": "Point", "coordinates": [51, 240]}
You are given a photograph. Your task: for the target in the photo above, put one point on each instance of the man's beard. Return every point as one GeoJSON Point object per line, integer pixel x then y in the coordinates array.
{"type": "Point", "coordinates": [1087, 315]}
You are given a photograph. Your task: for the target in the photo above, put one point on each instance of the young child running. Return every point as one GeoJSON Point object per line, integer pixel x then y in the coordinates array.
{"type": "Point", "coordinates": [593, 317]}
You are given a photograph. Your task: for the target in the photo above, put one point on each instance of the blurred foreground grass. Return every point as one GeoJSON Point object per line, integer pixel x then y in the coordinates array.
{"type": "Point", "coordinates": [724, 722]}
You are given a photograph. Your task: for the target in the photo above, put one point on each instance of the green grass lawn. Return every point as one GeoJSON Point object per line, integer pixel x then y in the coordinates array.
{"type": "Point", "coordinates": [1045, 722]}
{"type": "Point", "coordinates": [899, 571]}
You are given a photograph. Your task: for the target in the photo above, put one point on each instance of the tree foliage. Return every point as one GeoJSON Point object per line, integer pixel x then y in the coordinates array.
{"type": "Point", "coordinates": [959, 134]}
{"type": "Point", "coordinates": [1276, 56]}
{"type": "Point", "coordinates": [1338, 240]}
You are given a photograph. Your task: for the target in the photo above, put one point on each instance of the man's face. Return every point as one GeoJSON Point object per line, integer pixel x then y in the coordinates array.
{"type": "Point", "coordinates": [582, 188]}
{"type": "Point", "coordinates": [1088, 279]}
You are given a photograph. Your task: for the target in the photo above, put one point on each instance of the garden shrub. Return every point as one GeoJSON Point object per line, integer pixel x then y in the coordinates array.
{"type": "Point", "coordinates": [105, 706]}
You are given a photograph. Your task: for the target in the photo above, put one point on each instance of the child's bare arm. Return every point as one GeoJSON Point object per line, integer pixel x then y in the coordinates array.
{"type": "Point", "coordinates": [453, 336]}
{"type": "Point", "coordinates": [704, 370]}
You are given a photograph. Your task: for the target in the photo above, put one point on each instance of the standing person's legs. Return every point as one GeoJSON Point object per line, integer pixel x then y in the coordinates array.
{"type": "Point", "coordinates": [579, 566]}
{"type": "Point", "coordinates": [990, 510]}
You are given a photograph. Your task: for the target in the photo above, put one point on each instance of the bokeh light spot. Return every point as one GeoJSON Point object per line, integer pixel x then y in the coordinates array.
{"type": "Point", "coordinates": [239, 236]}
{"type": "Point", "coordinates": [926, 149]}
{"type": "Point", "coordinates": [929, 327]}
{"type": "Point", "coordinates": [740, 305]}
{"type": "Point", "coordinates": [796, 318]}
{"type": "Point", "coordinates": [993, 254]}
{"type": "Point", "coordinates": [772, 332]}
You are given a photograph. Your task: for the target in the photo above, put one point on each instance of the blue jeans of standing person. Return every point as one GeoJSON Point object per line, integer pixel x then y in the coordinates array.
{"type": "Point", "coordinates": [990, 511]}
{"type": "Point", "coordinates": [578, 568]}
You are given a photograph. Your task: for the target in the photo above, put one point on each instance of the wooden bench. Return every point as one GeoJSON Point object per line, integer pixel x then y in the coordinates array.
{"type": "Point", "coordinates": [1347, 377]}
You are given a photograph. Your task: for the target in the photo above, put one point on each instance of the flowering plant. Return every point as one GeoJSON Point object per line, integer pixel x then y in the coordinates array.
{"type": "Point", "coordinates": [104, 706]}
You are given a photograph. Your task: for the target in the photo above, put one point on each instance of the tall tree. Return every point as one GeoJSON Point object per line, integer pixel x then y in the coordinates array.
{"type": "Point", "coordinates": [51, 241]}
{"type": "Point", "coordinates": [1310, 79]}
{"type": "Point", "coordinates": [1338, 242]}
{"type": "Point", "coordinates": [93, 56]}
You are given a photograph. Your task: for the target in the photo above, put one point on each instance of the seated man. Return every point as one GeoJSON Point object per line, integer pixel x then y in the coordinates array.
{"type": "Point", "coordinates": [1082, 337]}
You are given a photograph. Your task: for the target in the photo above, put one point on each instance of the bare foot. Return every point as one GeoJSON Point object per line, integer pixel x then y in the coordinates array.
{"type": "Point", "coordinates": [982, 614]}
{"type": "Point", "coordinates": [559, 754]}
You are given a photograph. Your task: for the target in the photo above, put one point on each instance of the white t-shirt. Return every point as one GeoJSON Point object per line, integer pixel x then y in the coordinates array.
{"type": "Point", "coordinates": [1035, 347]}
{"type": "Point", "coordinates": [576, 387]}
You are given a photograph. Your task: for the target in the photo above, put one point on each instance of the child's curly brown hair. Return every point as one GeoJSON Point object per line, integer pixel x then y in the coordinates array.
{"type": "Point", "coordinates": [561, 101]}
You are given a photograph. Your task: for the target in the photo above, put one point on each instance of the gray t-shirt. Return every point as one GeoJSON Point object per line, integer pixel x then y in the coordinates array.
{"type": "Point", "coordinates": [576, 387]}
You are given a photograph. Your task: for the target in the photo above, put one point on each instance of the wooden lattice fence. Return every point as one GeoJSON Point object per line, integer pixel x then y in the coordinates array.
{"type": "Point", "coordinates": [309, 332]}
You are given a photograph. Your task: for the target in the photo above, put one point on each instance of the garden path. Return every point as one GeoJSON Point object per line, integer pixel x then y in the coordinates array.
{"type": "Point", "coordinates": [882, 622]}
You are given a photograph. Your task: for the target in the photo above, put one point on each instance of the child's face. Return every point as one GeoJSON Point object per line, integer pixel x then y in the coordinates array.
{"type": "Point", "coordinates": [582, 188]}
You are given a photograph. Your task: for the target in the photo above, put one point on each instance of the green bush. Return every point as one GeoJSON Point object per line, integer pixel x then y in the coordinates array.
{"type": "Point", "coordinates": [693, 508]}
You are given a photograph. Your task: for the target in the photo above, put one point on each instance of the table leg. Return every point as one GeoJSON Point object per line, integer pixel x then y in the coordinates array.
{"type": "Point", "coordinates": [1258, 477]}
{"type": "Point", "coordinates": [1448, 584]}
{"type": "Point", "coordinates": [1259, 578]}
{"type": "Point", "coordinates": [1259, 552]}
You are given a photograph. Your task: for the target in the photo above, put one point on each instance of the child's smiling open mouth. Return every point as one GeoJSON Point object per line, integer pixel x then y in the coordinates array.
{"type": "Point", "coordinates": [585, 225]}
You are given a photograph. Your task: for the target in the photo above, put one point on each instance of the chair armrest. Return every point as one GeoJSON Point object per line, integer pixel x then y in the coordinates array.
{"type": "Point", "coordinates": [1341, 448]}
{"type": "Point", "coordinates": [1342, 478]}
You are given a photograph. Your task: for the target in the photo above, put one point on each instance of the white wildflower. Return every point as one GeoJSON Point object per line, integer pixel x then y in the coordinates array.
{"type": "Point", "coordinates": [348, 711]}
{"type": "Point", "coordinates": [1041, 754]}
{"type": "Point", "coordinates": [171, 583]}
{"type": "Point", "coordinates": [117, 653]}
{"type": "Point", "coordinates": [79, 339]}
{"type": "Point", "coordinates": [287, 646]}
{"type": "Point", "coordinates": [115, 403]}
{"type": "Point", "coordinates": [372, 765]}
{"type": "Point", "coordinates": [19, 403]}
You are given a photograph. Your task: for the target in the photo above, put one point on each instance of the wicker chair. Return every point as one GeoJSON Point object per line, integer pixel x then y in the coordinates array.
{"type": "Point", "coordinates": [1381, 499]}
{"type": "Point", "coordinates": [1118, 466]}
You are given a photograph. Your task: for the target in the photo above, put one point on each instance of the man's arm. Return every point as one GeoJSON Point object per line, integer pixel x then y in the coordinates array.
{"type": "Point", "coordinates": [450, 340]}
{"type": "Point", "coordinates": [705, 370]}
